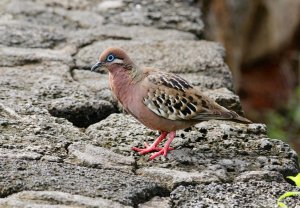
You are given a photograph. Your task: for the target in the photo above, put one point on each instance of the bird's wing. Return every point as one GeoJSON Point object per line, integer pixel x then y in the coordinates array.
{"type": "Point", "coordinates": [172, 97]}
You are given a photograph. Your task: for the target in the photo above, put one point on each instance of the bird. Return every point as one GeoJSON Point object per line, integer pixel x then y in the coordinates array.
{"type": "Point", "coordinates": [158, 99]}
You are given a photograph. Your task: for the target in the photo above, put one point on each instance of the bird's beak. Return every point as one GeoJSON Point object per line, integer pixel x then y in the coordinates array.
{"type": "Point", "coordinates": [96, 66]}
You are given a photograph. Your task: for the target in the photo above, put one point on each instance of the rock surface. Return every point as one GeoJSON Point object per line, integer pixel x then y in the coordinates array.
{"type": "Point", "coordinates": [64, 142]}
{"type": "Point", "coordinates": [56, 199]}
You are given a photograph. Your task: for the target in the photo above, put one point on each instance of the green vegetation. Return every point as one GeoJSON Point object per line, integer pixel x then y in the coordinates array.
{"type": "Point", "coordinates": [285, 123]}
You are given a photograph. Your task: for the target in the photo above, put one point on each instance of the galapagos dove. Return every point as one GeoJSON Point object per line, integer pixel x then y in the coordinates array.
{"type": "Point", "coordinates": [161, 101]}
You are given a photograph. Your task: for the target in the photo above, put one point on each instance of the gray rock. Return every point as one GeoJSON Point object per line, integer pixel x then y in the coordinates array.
{"type": "Point", "coordinates": [74, 5]}
{"type": "Point", "coordinates": [32, 136]}
{"type": "Point", "coordinates": [57, 199]}
{"type": "Point", "coordinates": [98, 157]}
{"type": "Point", "coordinates": [24, 93]}
{"type": "Point", "coordinates": [160, 14]}
{"type": "Point", "coordinates": [51, 158]}
{"type": "Point", "coordinates": [95, 83]}
{"type": "Point", "coordinates": [21, 56]}
{"type": "Point", "coordinates": [128, 189]}
{"type": "Point", "coordinates": [23, 34]}
{"type": "Point", "coordinates": [268, 176]}
{"type": "Point", "coordinates": [24, 7]}
{"type": "Point", "coordinates": [226, 98]}
{"type": "Point", "coordinates": [174, 178]}
{"type": "Point", "coordinates": [208, 82]}
{"type": "Point", "coordinates": [7, 113]}
{"type": "Point", "coordinates": [39, 14]}
{"type": "Point", "coordinates": [84, 19]}
{"type": "Point", "coordinates": [83, 37]}
{"type": "Point", "coordinates": [109, 4]}
{"type": "Point", "coordinates": [25, 154]}
{"type": "Point", "coordinates": [240, 194]}
{"type": "Point", "coordinates": [157, 202]}
{"type": "Point", "coordinates": [119, 133]}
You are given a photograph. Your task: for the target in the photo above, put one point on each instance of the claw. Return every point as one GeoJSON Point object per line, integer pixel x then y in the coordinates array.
{"type": "Point", "coordinates": [146, 145]}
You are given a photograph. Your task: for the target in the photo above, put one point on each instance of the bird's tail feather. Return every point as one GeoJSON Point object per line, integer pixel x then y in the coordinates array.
{"type": "Point", "coordinates": [221, 114]}
{"type": "Point", "coordinates": [231, 115]}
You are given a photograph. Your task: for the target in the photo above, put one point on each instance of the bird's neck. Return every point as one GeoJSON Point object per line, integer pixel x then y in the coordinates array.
{"type": "Point", "coordinates": [132, 71]}
{"type": "Point", "coordinates": [136, 74]}
{"type": "Point", "coordinates": [123, 81]}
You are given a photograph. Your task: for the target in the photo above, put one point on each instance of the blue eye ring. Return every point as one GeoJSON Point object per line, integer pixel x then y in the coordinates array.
{"type": "Point", "coordinates": [110, 58]}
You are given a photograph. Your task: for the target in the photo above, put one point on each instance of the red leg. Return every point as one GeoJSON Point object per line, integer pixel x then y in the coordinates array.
{"type": "Point", "coordinates": [164, 151]}
{"type": "Point", "coordinates": [153, 147]}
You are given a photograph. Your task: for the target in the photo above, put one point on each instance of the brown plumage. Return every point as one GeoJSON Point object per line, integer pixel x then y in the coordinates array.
{"type": "Point", "coordinates": [160, 100]}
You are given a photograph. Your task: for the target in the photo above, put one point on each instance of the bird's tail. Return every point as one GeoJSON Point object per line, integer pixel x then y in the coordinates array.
{"type": "Point", "coordinates": [243, 120]}
{"type": "Point", "coordinates": [231, 115]}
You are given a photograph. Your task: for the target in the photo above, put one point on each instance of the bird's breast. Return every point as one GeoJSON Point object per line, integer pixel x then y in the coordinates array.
{"type": "Point", "coordinates": [121, 87]}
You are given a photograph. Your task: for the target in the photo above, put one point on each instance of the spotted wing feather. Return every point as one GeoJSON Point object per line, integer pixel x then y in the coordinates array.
{"type": "Point", "coordinates": [173, 98]}
{"type": "Point", "coordinates": [168, 104]}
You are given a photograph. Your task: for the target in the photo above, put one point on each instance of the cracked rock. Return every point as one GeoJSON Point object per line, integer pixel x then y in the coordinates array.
{"type": "Point", "coordinates": [19, 175]}
{"type": "Point", "coordinates": [62, 143]}
{"type": "Point", "coordinates": [33, 136]}
{"type": "Point", "coordinates": [81, 112]}
{"type": "Point", "coordinates": [83, 37]}
{"type": "Point", "coordinates": [21, 56]}
{"type": "Point", "coordinates": [37, 199]}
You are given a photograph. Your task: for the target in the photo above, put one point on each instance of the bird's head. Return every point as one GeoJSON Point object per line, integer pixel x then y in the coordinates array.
{"type": "Point", "coordinates": [113, 59]}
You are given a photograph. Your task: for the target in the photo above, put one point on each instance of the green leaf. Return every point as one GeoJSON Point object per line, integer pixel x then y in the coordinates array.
{"type": "Point", "coordinates": [283, 196]}
{"type": "Point", "coordinates": [280, 204]}
{"type": "Point", "coordinates": [296, 179]}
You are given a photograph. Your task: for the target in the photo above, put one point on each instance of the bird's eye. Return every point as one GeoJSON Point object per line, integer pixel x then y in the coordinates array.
{"type": "Point", "coordinates": [110, 58]}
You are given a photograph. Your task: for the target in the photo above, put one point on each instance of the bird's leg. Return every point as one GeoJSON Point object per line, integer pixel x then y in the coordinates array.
{"type": "Point", "coordinates": [152, 147]}
{"type": "Point", "coordinates": [166, 148]}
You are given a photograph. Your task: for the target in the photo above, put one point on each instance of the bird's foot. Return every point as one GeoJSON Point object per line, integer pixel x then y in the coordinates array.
{"type": "Point", "coordinates": [160, 151]}
{"type": "Point", "coordinates": [149, 149]}
{"type": "Point", "coordinates": [163, 151]}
